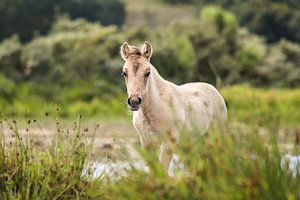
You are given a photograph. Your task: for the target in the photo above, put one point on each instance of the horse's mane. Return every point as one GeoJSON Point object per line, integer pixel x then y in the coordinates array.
{"type": "Point", "coordinates": [134, 51]}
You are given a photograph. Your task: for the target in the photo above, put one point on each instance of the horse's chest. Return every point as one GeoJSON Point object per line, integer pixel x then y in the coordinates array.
{"type": "Point", "coordinates": [143, 123]}
{"type": "Point", "coordinates": [147, 126]}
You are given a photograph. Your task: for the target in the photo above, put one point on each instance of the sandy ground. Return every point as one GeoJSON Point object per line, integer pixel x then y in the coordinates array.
{"type": "Point", "coordinates": [110, 138]}
{"type": "Point", "coordinates": [113, 139]}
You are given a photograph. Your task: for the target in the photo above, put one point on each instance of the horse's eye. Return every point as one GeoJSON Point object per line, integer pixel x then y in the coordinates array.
{"type": "Point", "coordinates": [124, 74]}
{"type": "Point", "coordinates": [147, 74]}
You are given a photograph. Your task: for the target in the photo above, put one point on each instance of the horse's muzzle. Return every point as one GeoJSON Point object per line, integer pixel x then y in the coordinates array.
{"type": "Point", "coordinates": [134, 103]}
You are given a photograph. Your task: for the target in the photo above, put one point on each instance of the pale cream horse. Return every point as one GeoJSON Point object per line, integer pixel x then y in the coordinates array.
{"type": "Point", "coordinates": [161, 109]}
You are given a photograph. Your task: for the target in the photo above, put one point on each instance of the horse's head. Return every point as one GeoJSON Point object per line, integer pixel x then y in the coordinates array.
{"type": "Point", "coordinates": [136, 72]}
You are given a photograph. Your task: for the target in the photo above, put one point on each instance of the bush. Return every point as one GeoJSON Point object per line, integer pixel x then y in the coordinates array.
{"type": "Point", "coordinates": [291, 51]}
{"type": "Point", "coordinates": [213, 52]}
{"type": "Point", "coordinates": [277, 70]}
{"type": "Point", "coordinates": [223, 20]}
{"type": "Point", "coordinates": [59, 56]}
{"type": "Point", "coordinates": [174, 56]}
{"type": "Point", "coordinates": [10, 58]}
{"type": "Point", "coordinates": [7, 90]}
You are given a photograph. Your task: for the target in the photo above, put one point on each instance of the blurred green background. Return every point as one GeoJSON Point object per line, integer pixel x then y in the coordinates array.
{"type": "Point", "coordinates": [66, 53]}
{"type": "Point", "coordinates": [60, 58]}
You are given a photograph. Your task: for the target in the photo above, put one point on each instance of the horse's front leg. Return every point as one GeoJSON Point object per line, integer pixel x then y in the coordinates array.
{"type": "Point", "coordinates": [150, 144]}
{"type": "Point", "coordinates": [166, 154]}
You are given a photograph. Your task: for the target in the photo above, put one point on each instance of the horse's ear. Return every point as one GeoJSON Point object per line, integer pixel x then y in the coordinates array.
{"type": "Point", "coordinates": [147, 50]}
{"type": "Point", "coordinates": [124, 50]}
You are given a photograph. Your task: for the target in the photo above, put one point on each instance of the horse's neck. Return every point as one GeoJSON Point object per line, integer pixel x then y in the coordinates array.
{"type": "Point", "coordinates": [153, 92]}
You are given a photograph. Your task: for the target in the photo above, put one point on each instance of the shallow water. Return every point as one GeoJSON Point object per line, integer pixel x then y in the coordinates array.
{"type": "Point", "coordinates": [117, 169]}
{"type": "Point", "coordinates": [292, 161]}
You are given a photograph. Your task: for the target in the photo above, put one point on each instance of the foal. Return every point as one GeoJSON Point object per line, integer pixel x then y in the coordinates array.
{"type": "Point", "coordinates": [161, 109]}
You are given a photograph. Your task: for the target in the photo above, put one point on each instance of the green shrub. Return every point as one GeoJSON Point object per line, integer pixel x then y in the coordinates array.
{"type": "Point", "coordinates": [59, 57]}
{"type": "Point", "coordinates": [7, 90]}
{"type": "Point", "coordinates": [174, 56]}
{"type": "Point", "coordinates": [10, 58]}
{"type": "Point", "coordinates": [291, 51]}
{"type": "Point", "coordinates": [224, 20]}
{"type": "Point", "coordinates": [213, 52]}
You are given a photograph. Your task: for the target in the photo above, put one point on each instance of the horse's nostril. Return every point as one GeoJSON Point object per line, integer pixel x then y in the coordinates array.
{"type": "Point", "coordinates": [128, 101]}
{"type": "Point", "coordinates": [140, 100]}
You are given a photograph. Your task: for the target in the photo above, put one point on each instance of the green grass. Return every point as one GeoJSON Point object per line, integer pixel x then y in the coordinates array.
{"type": "Point", "coordinates": [230, 165]}
{"type": "Point", "coordinates": [95, 98]}
{"type": "Point", "coordinates": [52, 173]}
{"type": "Point", "coordinates": [253, 105]}
{"type": "Point", "coordinates": [245, 103]}
{"type": "Point", "coordinates": [238, 163]}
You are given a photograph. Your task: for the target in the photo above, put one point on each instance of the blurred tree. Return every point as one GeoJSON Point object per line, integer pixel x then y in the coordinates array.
{"type": "Point", "coordinates": [274, 19]}
{"type": "Point", "coordinates": [29, 17]}
{"type": "Point", "coordinates": [24, 17]}
{"type": "Point", "coordinates": [212, 48]}
{"type": "Point", "coordinates": [107, 12]}
{"type": "Point", "coordinates": [177, 1]}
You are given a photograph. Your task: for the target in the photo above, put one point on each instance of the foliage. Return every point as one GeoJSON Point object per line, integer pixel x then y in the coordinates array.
{"type": "Point", "coordinates": [174, 56]}
{"type": "Point", "coordinates": [221, 18]}
{"type": "Point", "coordinates": [10, 58]}
{"type": "Point", "coordinates": [59, 57]}
{"type": "Point", "coordinates": [213, 48]}
{"type": "Point", "coordinates": [232, 54]}
{"type": "Point", "coordinates": [231, 165]}
{"type": "Point", "coordinates": [29, 17]}
{"type": "Point", "coordinates": [8, 92]}
{"type": "Point", "coordinates": [77, 65]}
{"type": "Point", "coordinates": [55, 172]}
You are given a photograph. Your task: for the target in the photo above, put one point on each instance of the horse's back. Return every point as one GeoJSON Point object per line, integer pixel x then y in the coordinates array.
{"type": "Point", "coordinates": [205, 92]}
